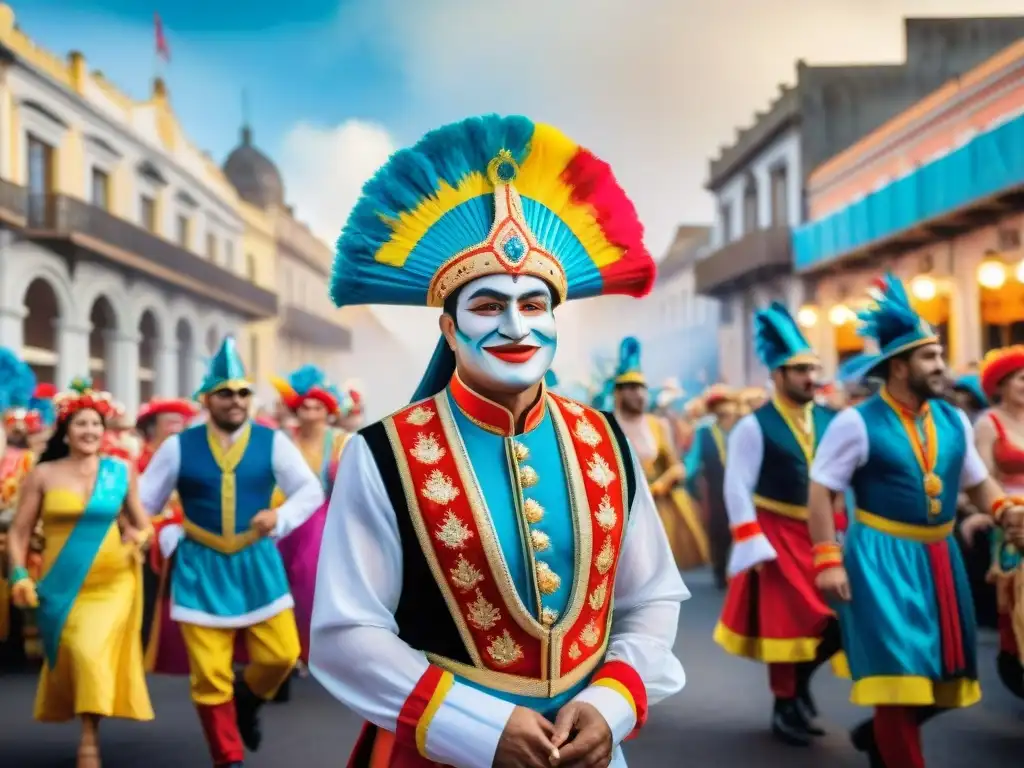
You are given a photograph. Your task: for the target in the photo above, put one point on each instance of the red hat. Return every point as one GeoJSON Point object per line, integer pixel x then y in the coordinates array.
{"type": "Point", "coordinates": [997, 365]}
{"type": "Point", "coordinates": [184, 408]}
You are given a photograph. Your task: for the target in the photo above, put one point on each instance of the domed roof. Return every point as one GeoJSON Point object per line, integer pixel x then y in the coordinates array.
{"type": "Point", "coordinates": [254, 174]}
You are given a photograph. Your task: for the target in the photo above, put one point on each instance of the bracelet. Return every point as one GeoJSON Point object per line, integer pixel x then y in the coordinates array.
{"type": "Point", "coordinates": [19, 573]}
{"type": "Point", "coordinates": [999, 506]}
{"type": "Point", "coordinates": [826, 555]}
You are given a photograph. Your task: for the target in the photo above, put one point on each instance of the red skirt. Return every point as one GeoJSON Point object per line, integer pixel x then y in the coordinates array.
{"type": "Point", "coordinates": [377, 748]}
{"type": "Point", "coordinates": [774, 613]}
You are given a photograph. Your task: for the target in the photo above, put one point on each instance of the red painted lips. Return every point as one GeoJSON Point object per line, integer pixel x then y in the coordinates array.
{"type": "Point", "coordinates": [513, 353]}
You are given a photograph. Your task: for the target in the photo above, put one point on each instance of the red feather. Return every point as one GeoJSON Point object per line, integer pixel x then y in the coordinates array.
{"type": "Point", "coordinates": [594, 185]}
{"type": "Point", "coordinates": [45, 391]}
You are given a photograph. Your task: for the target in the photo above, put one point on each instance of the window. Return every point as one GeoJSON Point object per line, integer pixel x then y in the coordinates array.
{"type": "Point", "coordinates": [780, 196]}
{"type": "Point", "coordinates": [725, 214]}
{"type": "Point", "coordinates": [100, 189]}
{"type": "Point", "coordinates": [147, 212]}
{"type": "Point", "coordinates": [211, 246]}
{"type": "Point", "coordinates": [184, 233]}
{"type": "Point", "coordinates": [229, 255]}
{"type": "Point", "coordinates": [40, 181]}
{"type": "Point", "coordinates": [250, 267]}
{"type": "Point", "coordinates": [750, 205]}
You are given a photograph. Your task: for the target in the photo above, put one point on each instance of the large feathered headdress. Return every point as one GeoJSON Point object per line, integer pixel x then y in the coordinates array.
{"type": "Point", "coordinates": [778, 339]}
{"type": "Point", "coordinates": [892, 322]}
{"type": "Point", "coordinates": [17, 381]}
{"type": "Point", "coordinates": [629, 370]}
{"type": "Point", "coordinates": [308, 382]}
{"type": "Point", "coordinates": [489, 195]}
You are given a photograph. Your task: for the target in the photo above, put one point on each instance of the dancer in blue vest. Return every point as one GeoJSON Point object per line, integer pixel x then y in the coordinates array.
{"type": "Point", "coordinates": [772, 612]}
{"type": "Point", "coordinates": [227, 575]}
{"type": "Point", "coordinates": [899, 584]}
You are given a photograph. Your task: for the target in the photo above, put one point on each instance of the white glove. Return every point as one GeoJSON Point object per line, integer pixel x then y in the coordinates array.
{"type": "Point", "coordinates": [170, 536]}
{"type": "Point", "coordinates": [749, 553]}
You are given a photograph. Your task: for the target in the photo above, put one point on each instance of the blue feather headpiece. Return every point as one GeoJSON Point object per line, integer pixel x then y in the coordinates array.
{"type": "Point", "coordinates": [971, 383]}
{"type": "Point", "coordinates": [853, 371]}
{"type": "Point", "coordinates": [486, 196]}
{"type": "Point", "coordinates": [778, 339]}
{"type": "Point", "coordinates": [308, 382]}
{"type": "Point", "coordinates": [17, 381]}
{"type": "Point", "coordinates": [629, 370]}
{"type": "Point", "coordinates": [892, 322]}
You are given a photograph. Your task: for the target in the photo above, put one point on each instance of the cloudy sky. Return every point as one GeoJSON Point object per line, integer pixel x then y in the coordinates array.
{"type": "Point", "coordinates": [653, 86]}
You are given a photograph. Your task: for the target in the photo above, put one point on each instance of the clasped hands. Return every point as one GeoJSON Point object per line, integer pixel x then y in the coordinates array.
{"type": "Point", "coordinates": [1012, 521]}
{"type": "Point", "coordinates": [579, 738]}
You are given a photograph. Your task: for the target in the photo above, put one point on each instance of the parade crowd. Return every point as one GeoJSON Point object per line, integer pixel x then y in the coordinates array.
{"type": "Point", "coordinates": [492, 574]}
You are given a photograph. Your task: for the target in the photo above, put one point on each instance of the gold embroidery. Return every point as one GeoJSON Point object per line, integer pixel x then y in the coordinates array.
{"type": "Point", "coordinates": [482, 614]}
{"type": "Point", "coordinates": [586, 433]}
{"type": "Point", "coordinates": [591, 635]}
{"type": "Point", "coordinates": [465, 575]}
{"type": "Point", "coordinates": [606, 557]}
{"type": "Point", "coordinates": [606, 514]}
{"type": "Point", "coordinates": [574, 651]}
{"type": "Point", "coordinates": [521, 450]}
{"type": "Point", "coordinates": [427, 449]}
{"type": "Point", "coordinates": [598, 596]}
{"type": "Point", "coordinates": [573, 407]}
{"type": "Point", "coordinates": [599, 471]}
{"type": "Point", "coordinates": [548, 581]}
{"type": "Point", "coordinates": [528, 477]}
{"type": "Point", "coordinates": [504, 650]}
{"type": "Point", "coordinates": [439, 488]}
{"type": "Point", "coordinates": [533, 510]}
{"type": "Point", "coordinates": [548, 616]}
{"type": "Point", "coordinates": [419, 416]}
{"type": "Point", "coordinates": [452, 532]}
{"type": "Point", "coordinates": [540, 540]}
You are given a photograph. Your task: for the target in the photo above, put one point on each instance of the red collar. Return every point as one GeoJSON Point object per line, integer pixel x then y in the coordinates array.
{"type": "Point", "coordinates": [489, 415]}
{"type": "Point", "coordinates": [902, 408]}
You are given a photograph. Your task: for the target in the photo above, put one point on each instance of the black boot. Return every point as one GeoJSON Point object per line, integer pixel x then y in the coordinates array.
{"type": "Point", "coordinates": [788, 724]}
{"type": "Point", "coordinates": [1011, 673]}
{"type": "Point", "coordinates": [247, 709]}
{"type": "Point", "coordinates": [284, 693]}
{"type": "Point", "coordinates": [809, 713]}
{"type": "Point", "coordinates": [863, 739]}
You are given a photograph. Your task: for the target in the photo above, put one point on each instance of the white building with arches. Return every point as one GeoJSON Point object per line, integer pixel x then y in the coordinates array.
{"type": "Point", "coordinates": [120, 242]}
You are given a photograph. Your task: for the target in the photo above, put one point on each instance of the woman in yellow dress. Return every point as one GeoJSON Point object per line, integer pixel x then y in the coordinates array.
{"type": "Point", "coordinates": [88, 602]}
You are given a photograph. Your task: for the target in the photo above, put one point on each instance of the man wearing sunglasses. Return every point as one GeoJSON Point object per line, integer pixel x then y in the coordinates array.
{"type": "Point", "coordinates": [227, 575]}
{"type": "Point", "coordinates": [772, 612]}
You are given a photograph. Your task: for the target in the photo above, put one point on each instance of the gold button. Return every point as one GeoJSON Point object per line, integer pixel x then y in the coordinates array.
{"type": "Point", "coordinates": [548, 581]}
{"type": "Point", "coordinates": [521, 450]}
{"type": "Point", "coordinates": [533, 510]}
{"type": "Point", "coordinates": [528, 477]}
{"type": "Point", "coordinates": [548, 617]}
{"type": "Point", "coordinates": [540, 540]}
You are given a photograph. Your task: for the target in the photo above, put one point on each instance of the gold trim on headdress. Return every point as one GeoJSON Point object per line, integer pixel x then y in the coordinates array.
{"type": "Point", "coordinates": [509, 249]}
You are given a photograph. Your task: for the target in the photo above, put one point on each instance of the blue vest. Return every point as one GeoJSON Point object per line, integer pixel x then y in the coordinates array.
{"type": "Point", "coordinates": [785, 473]}
{"type": "Point", "coordinates": [200, 480]}
{"type": "Point", "coordinates": [891, 483]}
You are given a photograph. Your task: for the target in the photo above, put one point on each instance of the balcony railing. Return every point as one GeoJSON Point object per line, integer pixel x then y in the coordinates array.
{"type": "Point", "coordinates": [13, 202]}
{"type": "Point", "coordinates": [314, 330]}
{"type": "Point", "coordinates": [759, 255]}
{"type": "Point", "coordinates": [60, 216]}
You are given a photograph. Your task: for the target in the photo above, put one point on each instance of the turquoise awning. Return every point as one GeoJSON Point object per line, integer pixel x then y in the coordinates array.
{"type": "Point", "coordinates": [990, 164]}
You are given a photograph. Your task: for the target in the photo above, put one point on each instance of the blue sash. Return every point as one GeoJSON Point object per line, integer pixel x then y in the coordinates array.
{"type": "Point", "coordinates": [59, 588]}
{"type": "Point", "coordinates": [325, 468]}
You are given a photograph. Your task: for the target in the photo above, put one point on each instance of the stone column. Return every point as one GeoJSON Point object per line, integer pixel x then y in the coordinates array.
{"type": "Point", "coordinates": [122, 368]}
{"type": "Point", "coordinates": [165, 360]}
{"type": "Point", "coordinates": [72, 351]}
{"type": "Point", "coordinates": [12, 327]}
{"type": "Point", "coordinates": [199, 365]}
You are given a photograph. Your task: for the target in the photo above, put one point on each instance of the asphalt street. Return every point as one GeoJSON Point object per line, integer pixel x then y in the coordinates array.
{"type": "Point", "coordinates": [719, 720]}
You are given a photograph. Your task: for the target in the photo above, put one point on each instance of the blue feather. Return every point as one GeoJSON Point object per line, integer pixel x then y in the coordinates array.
{"type": "Point", "coordinates": [777, 337]}
{"type": "Point", "coordinates": [17, 381]}
{"type": "Point", "coordinates": [629, 356]}
{"type": "Point", "coordinates": [45, 408]}
{"type": "Point", "coordinates": [305, 378]}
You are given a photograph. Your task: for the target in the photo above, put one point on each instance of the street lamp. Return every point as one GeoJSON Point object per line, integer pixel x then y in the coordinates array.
{"type": "Point", "coordinates": [923, 288]}
{"type": "Point", "coordinates": [840, 315]}
{"type": "Point", "coordinates": [992, 274]}
{"type": "Point", "coordinates": [807, 316]}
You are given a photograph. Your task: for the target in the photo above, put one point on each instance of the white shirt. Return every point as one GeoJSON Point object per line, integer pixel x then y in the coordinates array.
{"type": "Point", "coordinates": [743, 459]}
{"type": "Point", "coordinates": [291, 474]}
{"type": "Point", "coordinates": [844, 449]}
{"type": "Point", "coordinates": [356, 654]}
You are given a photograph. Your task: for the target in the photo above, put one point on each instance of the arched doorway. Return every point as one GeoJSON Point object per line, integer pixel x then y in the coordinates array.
{"type": "Point", "coordinates": [40, 331]}
{"type": "Point", "coordinates": [103, 322]}
{"type": "Point", "coordinates": [212, 340]}
{"type": "Point", "coordinates": [186, 358]}
{"type": "Point", "coordinates": [149, 336]}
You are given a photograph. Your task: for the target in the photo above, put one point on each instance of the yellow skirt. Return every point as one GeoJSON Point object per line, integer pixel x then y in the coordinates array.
{"type": "Point", "coordinates": [683, 528]}
{"type": "Point", "coordinates": [99, 669]}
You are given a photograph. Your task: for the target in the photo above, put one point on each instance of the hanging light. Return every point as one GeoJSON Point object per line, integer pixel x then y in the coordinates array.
{"type": "Point", "coordinates": [840, 314]}
{"type": "Point", "coordinates": [992, 274]}
{"type": "Point", "coordinates": [1020, 272]}
{"type": "Point", "coordinates": [807, 316]}
{"type": "Point", "coordinates": [923, 287]}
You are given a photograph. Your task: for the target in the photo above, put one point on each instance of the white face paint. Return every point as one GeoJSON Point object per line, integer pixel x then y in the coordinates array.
{"type": "Point", "coordinates": [506, 332]}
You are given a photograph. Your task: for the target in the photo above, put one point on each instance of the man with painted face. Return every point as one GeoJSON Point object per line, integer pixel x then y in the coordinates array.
{"type": "Point", "coordinates": [772, 612]}
{"type": "Point", "coordinates": [477, 539]}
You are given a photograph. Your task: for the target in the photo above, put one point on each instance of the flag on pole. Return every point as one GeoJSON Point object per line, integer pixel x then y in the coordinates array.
{"type": "Point", "coordinates": [162, 49]}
